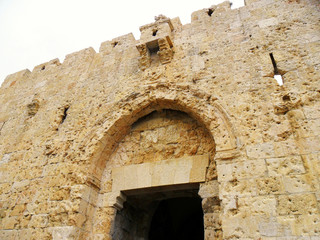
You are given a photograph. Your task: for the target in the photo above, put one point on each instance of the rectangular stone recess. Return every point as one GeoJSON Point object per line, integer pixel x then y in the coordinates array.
{"type": "Point", "coordinates": [189, 169]}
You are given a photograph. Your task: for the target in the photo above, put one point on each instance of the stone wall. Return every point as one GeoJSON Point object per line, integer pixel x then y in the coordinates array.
{"type": "Point", "coordinates": [64, 125]}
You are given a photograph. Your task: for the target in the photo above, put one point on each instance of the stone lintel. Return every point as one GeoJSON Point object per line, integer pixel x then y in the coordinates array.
{"type": "Point", "coordinates": [190, 169]}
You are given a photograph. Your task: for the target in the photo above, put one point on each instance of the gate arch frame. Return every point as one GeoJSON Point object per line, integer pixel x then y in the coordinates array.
{"type": "Point", "coordinates": [116, 122]}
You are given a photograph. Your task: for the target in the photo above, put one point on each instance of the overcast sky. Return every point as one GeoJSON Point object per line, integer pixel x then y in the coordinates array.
{"type": "Point", "coordinates": [36, 31]}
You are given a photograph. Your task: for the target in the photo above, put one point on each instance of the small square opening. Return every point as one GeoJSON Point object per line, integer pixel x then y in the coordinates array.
{"type": "Point", "coordinates": [154, 32]}
{"type": "Point", "coordinates": [154, 50]}
{"type": "Point", "coordinates": [153, 47]}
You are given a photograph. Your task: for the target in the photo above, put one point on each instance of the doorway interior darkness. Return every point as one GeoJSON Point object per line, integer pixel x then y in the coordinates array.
{"type": "Point", "coordinates": [178, 218]}
{"type": "Point", "coordinates": [173, 212]}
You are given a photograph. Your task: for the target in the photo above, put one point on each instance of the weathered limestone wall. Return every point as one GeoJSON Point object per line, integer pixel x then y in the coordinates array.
{"type": "Point", "coordinates": [63, 123]}
{"type": "Point", "coordinates": [159, 136]}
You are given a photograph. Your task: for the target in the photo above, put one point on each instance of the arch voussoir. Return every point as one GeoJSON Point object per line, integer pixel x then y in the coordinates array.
{"type": "Point", "coordinates": [140, 102]}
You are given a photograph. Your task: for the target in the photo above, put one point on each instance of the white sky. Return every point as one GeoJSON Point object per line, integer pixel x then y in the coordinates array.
{"type": "Point", "coordinates": [36, 31]}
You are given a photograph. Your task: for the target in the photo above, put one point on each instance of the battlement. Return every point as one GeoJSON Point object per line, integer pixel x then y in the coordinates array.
{"type": "Point", "coordinates": [220, 17]}
{"type": "Point", "coordinates": [160, 27]}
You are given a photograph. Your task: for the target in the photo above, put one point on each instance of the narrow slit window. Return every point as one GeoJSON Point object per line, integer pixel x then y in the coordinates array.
{"type": "Point", "coordinates": [154, 32]}
{"type": "Point", "coordinates": [64, 116]}
{"type": "Point", "coordinates": [276, 74]}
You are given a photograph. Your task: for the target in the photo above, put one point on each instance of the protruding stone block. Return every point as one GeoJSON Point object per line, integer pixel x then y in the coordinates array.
{"type": "Point", "coordinates": [156, 38]}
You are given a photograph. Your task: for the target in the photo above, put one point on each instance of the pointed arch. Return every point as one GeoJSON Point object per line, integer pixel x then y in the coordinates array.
{"type": "Point", "coordinates": [116, 123]}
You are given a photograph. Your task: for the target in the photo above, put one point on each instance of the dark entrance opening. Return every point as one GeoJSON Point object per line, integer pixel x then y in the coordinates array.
{"type": "Point", "coordinates": [178, 218]}
{"type": "Point", "coordinates": [164, 212]}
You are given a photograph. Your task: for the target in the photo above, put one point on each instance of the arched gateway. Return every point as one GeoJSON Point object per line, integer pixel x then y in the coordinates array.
{"type": "Point", "coordinates": [136, 141]}
{"type": "Point", "coordinates": [153, 162]}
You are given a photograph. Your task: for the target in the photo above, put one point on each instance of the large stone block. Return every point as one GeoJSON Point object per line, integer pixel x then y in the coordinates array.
{"type": "Point", "coordinates": [238, 188]}
{"type": "Point", "coordinates": [285, 166]}
{"type": "Point", "coordinates": [241, 170]}
{"type": "Point", "coordinates": [170, 172]}
{"type": "Point", "coordinates": [263, 150]}
{"type": "Point", "coordinates": [270, 186]}
{"type": "Point", "coordinates": [301, 183]}
{"type": "Point", "coordinates": [297, 204]}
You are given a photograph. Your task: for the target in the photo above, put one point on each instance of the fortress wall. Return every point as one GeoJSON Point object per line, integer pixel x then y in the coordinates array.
{"type": "Point", "coordinates": [58, 119]}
